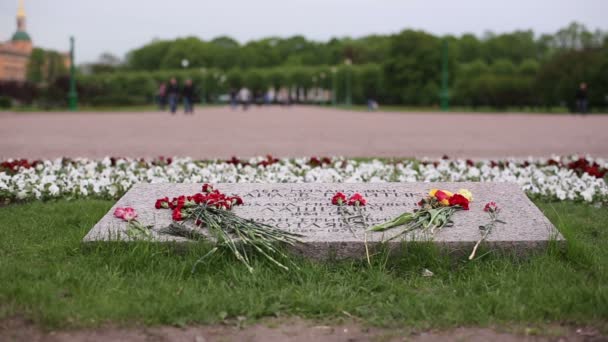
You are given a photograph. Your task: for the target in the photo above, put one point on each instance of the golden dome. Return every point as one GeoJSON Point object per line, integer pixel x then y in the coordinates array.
{"type": "Point", "coordinates": [21, 10]}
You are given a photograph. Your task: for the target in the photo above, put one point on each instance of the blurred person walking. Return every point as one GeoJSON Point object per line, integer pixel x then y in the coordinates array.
{"type": "Point", "coordinates": [245, 97]}
{"type": "Point", "coordinates": [582, 103]}
{"type": "Point", "coordinates": [188, 97]}
{"type": "Point", "coordinates": [234, 101]}
{"type": "Point", "coordinates": [269, 96]}
{"type": "Point", "coordinates": [173, 95]}
{"type": "Point", "coordinates": [372, 105]}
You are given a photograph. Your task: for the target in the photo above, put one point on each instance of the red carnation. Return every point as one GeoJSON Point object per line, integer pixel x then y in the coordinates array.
{"type": "Point", "coordinates": [357, 199]}
{"type": "Point", "coordinates": [207, 187]}
{"type": "Point", "coordinates": [338, 199]}
{"type": "Point", "coordinates": [440, 195]}
{"type": "Point", "coordinates": [459, 200]}
{"type": "Point", "coordinates": [236, 200]}
{"type": "Point", "coordinates": [162, 203]}
{"type": "Point", "coordinates": [177, 214]}
{"type": "Point", "coordinates": [491, 207]}
{"type": "Point", "coordinates": [129, 214]}
{"type": "Point", "coordinates": [199, 198]}
{"type": "Point", "coordinates": [119, 212]}
{"type": "Point", "coordinates": [126, 213]}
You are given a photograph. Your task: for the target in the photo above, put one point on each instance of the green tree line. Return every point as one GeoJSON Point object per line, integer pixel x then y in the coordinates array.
{"type": "Point", "coordinates": [496, 70]}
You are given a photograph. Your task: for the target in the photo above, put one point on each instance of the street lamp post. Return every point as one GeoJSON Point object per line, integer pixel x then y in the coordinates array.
{"type": "Point", "coordinates": [312, 91]}
{"type": "Point", "coordinates": [321, 89]}
{"type": "Point", "coordinates": [444, 96]}
{"type": "Point", "coordinates": [334, 86]}
{"type": "Point", "coordinates": [73, 94]}
{"type": "Point", "coordinates": [349, 100]}
{"type": "Point", "coordinates": [203, 99]}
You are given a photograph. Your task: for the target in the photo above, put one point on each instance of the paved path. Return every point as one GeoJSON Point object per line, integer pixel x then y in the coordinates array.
{"type": "Point", "coordinates": [299, 131]}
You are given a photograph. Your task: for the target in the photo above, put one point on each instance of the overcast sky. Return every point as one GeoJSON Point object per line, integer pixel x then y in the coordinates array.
{"type": "Point", "coordinates": [118, 26]}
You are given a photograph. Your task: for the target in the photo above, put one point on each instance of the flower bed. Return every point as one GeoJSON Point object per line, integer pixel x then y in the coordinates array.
{"type": "Point", "coordinates": [558, 178]}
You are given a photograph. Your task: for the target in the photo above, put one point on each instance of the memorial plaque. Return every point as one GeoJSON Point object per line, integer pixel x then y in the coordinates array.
{"type": "Point", "coordinates": [306, 209]}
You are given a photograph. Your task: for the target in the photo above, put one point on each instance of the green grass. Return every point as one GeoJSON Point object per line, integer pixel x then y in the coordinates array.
{"type": "Point", "coordinates": [47, 275]}
{"type": "Point", "coordinates": [456, 109]}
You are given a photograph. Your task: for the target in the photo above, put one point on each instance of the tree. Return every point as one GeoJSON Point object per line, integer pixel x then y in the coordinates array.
{"type": "Point", "coordinates": [35, 66]}
{"type": "Point", "coordinates": [412, 72]}
{"type": "Point", "coordinates": [45, 66]}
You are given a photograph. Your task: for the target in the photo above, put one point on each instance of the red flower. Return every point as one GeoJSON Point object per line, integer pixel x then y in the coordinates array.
{"type": "Point", "coordinates": [224, 204]}
{"type": "Point", "coordinates": [459, 200]}
{"type": "Point", "coordinates": [173, 204]}
{"type": "Point", "coordinates": [162, 203]}
{"type": "Point", "coordinates": [177, 214]}
{"type": "Point", "coordinates": [440, 195]}
{"type": "Point", "coordinates": [119, 212]}
{"type": "Point", "coordinates": [207, 187]}
{"type": "Point", "coordinates": [491, 207]}
{"type": "Point", "coordinates": [214, 197]}
{"type": "Point", "coordinates": [199, 198]}
{"type": "Point", "coordinates": [126, 213]}
{"type": "Point", "coordinates": [357, 199]}
{"type": "Point", "coordinates": [236, 200]}
{"type": "Point", "coordinates": [234, 160]}
{"type": "Point", "coordinates": [130, 214]}
{"type": "Point", "coordinates": [338, 199]}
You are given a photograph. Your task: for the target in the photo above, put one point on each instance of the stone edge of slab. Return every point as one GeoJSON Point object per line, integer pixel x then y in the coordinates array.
{"type": "Point", "coordinates": [345, 249]}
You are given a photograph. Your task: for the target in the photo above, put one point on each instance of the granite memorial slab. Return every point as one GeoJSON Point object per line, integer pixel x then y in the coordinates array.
{"type": "Point", "coordinates": [306, 209]}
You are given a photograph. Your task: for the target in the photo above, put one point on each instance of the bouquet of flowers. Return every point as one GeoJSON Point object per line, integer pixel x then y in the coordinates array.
{"type": "Point", "coordinates": [342, 201]}
{"type": "Point", "coordinates": [435, 213]}
{"type": "Point", "coordinates": [212, 209]}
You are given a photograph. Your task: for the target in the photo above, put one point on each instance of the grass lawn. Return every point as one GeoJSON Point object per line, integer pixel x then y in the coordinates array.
{"type": "Point", "coordinates": [47, 275]}
{"type": "Point", "coordinates": [458, 109]}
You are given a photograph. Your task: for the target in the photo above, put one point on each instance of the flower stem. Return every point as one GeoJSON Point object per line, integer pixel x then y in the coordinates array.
{"type": "Point", "coordinates": [483, 237]}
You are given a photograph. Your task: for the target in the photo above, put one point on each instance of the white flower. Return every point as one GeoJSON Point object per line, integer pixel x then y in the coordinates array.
{"type": "Point", "coordinates": [54, 190]}
{"type": "Point", "coordinates": [85, 177]}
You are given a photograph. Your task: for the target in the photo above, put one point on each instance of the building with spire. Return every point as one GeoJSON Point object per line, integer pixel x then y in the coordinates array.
{"type": "Point", "coordinates": [14, 54]}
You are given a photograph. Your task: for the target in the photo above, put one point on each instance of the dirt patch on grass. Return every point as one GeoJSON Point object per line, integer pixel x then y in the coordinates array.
{"type": "Point", "coordinates": [17, 329]}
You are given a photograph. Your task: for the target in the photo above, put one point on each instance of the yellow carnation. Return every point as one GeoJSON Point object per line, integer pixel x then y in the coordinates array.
{"type": "Point", "coordinates": [466, 194]}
